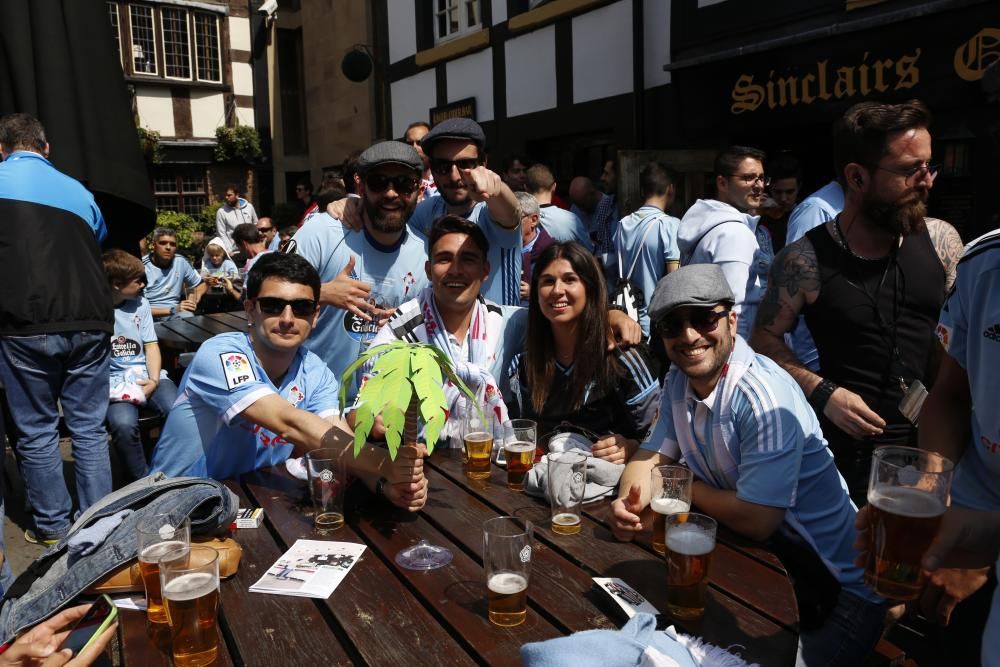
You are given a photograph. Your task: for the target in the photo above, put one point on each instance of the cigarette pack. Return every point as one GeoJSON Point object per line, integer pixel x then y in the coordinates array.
{"type": "Point", "coordinates": [249, 518]}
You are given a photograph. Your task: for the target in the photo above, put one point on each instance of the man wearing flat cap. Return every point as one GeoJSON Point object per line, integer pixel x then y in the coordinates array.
{"type": "Point", "coordinates": [456, 150]}
{"type": "Point", "coordinates": [761, 466]}
{"type": "Point", "coordinates": [367, 272]}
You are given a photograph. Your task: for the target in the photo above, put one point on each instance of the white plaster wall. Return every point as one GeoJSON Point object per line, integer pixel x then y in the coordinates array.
{"type": "Point", "coordinates": [207, 113]}
{"type": "Point", "coordinates": [499, 11]}
{"type": "Point", "coordinates": [412, 99]}
{"type": "Point", "coordinates": [242, 79]}
{"type": "Point", "coordinates": [656, 37]}
{"type": "Point", "coordinates": [472, 76]}
{"type": "Point", "coordinates": [402, 29]}
{"type": "Point", "coordinates": [245, 116]}
{"type": "Point", "coordinates": [156, 109]}
{"type": "Point", "coordinates": [239, 33]}
{"type": "Point", "coordinates": [531, 72]}
{"type": "Point", "coordinates": [602, 52]}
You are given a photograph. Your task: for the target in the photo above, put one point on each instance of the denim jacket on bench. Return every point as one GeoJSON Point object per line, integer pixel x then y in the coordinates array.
{"type": "Point", "coordinates": [51, 582]}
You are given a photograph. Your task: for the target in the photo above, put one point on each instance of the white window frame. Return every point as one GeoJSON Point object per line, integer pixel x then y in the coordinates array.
{"type": "Point", "coordinates": [462, 7]}
{"type": "Point", "coordinates": [196, 45]}
{"type": "Point", "coordinates": [115, 16]}
{"type": "Point", "coordinates": [163, 37]}
{"type": "Point", "coordinates": [132, 45]}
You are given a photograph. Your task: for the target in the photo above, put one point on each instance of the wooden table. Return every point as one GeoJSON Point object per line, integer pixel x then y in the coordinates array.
{"type": "Point", "coordinates": [186, 334]}
{"type": "Point", "coordinates": [382, 614]}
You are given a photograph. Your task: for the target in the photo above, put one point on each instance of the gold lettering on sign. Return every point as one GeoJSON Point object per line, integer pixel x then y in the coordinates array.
{"type": "Point", "coordinates": [822, 82]}
{"type": "Point", "coordinates": [973, 57]}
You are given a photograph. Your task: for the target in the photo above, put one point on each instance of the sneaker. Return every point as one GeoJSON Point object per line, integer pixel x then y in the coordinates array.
{"type": "Point", "coordinates": [29, 536]}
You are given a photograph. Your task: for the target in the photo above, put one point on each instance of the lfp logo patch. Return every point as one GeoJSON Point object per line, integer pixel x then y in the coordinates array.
{"type": "Point", "coordinates": [237, 369]}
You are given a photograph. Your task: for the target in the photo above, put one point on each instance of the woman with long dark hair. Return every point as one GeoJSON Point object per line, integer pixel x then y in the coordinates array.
{"type": "Point", "coordinates": [571, 376]}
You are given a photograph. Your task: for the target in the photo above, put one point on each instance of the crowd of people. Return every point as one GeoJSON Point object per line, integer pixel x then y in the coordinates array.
{"type": "Point", "coordinates": [768, 344]}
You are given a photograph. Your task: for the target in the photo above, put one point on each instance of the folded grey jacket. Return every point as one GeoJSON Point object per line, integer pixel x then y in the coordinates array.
{"type": "Point", "coordinates": [56, 577]}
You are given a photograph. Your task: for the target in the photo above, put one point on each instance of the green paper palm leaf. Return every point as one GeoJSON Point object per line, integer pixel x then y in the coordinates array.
{"type": "Point", "coordinates": [406, 379]}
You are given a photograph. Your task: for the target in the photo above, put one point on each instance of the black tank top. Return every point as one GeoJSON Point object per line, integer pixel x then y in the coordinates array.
{"type": "Point", "coordinates": [864, 308]}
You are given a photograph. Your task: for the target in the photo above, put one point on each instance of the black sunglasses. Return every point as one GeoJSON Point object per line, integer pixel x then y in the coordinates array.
{"type": "Point", "coordinates": [272, 305]}
{"type": "Point", "coordinates": [701, 320]}
{"type": "Point", "coordinates": [403, 185]}
{"type": "Point", "coordinates": [443, 167]}
{"type": "Point", "coordinates": [265, 229]}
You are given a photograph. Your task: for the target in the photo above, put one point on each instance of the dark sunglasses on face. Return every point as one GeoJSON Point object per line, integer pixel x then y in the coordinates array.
{"type": "Point", "coordinates": [443, 167]}
{"type": "Point", "coordinates": [403, 185]}
{"type": "Point", "coordinates": [264, 230]}
{"type": "Point", "coordinates": [272, 305]}
{"type": "Point", "coordinates": [701, 320]}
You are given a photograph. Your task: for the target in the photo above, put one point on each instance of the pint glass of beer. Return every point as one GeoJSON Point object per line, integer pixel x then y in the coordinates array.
{"type": "Point", "coordinates": [690, 540]}
{"type": "Point", "coordinates": [519, 450]}
{"type": "Point", "coordinates": [327, 481]}
{"type": "Point", "coordinates": [507, 562]}
{"type": "Point", "coordinates": [567, 481]}
{"type": "Point", "coordinates": [907, 494]}
{"type": "Point", "coordinates": [478, 437]}
{"type": "Point", "coordinates": [161, 534]}
{"type": "Point", "coordinates": [670, 492]}
{"type": "Point", "coordinates": [190, 582]}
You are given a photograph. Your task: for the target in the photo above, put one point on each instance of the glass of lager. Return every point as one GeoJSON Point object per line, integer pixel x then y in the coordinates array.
{"type": "Point", "coordinates": [163, 533]}
{"type": "Point", "coordinates": [190, 581]}
{"type": "Point", "coordinates": [907, 496]}
{"type": "Point", "coordinates": [519, 451]}
{"type": "Point", "coordinates": [327, 481]}
{"type": "Point", "coordinates": [507, 562]}
{"type": "Point", "coordinates": [567, 481]}
{"type": "Point", "coordinates": [690, 541]}
{"type": "Point", "coordinates": [478, 437]}
{"type": "Point", "coordinates": [670, 492]}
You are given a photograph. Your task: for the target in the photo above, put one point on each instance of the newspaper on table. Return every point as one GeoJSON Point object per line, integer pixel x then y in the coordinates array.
{"type": "Point", "coordinates": [311, 569]}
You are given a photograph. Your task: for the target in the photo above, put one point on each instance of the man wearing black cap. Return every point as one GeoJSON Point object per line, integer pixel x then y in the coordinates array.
{"type": "Point", "coordinates": [760, 463]}
{"type": "Point", "coordinates": [368, 272]}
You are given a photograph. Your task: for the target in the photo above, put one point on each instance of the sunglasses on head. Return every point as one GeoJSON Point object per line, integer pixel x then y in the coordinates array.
{"type": "Point", "coordinates": [702, 320]}
{"type": "Point", "coordinates": [403, 185]}
{"type": "Point", "coordinates": [443, 167]}
{"type": "Point", "coordinates": [272, 305]}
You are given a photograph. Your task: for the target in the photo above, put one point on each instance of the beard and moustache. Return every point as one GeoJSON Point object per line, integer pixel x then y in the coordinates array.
{"type": "Point", "coordinates": [899, 219]}
{"type": "Point", "coordinates": [389, 222]}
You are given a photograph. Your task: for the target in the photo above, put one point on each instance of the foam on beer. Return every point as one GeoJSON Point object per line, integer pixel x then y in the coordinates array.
{"type": "Point", "coordinates": [154, 552]}
{"type": "Point", "coordinates": [189, 586]}
{"type": "Point", "coordinates": [669, 505]}
{"type": "Point", "coordinates": [516, 447]}
{"type": "Point", "coordinates": [507, 583]}
{"type": "Point", "coordinates": [690, 540]}
{"type": "Point", "coordinates": [905, 501]}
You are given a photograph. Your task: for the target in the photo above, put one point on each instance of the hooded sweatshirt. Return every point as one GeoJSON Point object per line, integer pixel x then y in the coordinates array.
{"type": "Point", "coordinates": [713, 232]}
{"type": "Point", "coordinates": [228, 217]}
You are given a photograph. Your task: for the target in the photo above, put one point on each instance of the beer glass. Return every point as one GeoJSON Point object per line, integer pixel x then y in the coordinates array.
{"type": "Point", "coordinates": [190, 581]}
{"type": "Point", "coordinates": [907, 496]}
{"type": "Point", "coordinates": [519, 451]}
{"type": "Point", "coordinates": [507, 563]}
{"type": "Point", "coordinates": [155, 537]}
{"type": "Point", "coordinates": [690, 540]}
{"type": "Point", "coordinates": [670, 492]}
{"type": "Point", "coordinates": [327, 481]}
{"type": "Point", "coordinates": [567, 477]}
{"type": "Point", "coordinates": [477, 434]}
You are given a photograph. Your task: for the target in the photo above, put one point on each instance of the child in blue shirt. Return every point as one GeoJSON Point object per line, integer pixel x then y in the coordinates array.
{"type": "Point", "coordinates": [136, 377]}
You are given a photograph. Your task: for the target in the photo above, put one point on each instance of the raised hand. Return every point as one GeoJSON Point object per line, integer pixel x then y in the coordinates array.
{"type": "Point", "coordinates": [347, 293]}
{"type": "Point", "coordinates": [626, 511]}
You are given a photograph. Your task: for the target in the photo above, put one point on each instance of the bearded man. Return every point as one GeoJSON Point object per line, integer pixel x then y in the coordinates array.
{"type": "Point", "coordinates": [367, 272]}
{"type": "Point", "coordinates": [870, 284]}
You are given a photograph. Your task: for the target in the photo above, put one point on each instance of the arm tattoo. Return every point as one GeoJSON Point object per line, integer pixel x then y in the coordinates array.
{"type": "Point", "coordinates": [796, 272]}
{"type": "Point", "coordinates": [948, 246]}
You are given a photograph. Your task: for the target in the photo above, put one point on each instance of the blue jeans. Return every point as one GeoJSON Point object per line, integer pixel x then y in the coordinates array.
{"type": "Point", "coordinates": [847, 637]}
{"type": "Point", "coordinates": [6, 576]}
{"type": "Point", "coordinates": [39, 373]}
{"type": "Point", "coordinates": [123, 425]}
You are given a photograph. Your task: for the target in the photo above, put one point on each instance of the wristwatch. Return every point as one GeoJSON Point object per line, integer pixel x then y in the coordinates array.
{"type": "Point", "coordinates": [820, 396]}
{"type": "Point", "coordinates": [380, 487]}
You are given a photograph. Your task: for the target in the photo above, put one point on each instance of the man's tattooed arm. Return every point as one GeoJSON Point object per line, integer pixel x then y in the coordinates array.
{"type": "Point", "coordinates": [793, 282]}
{"type": "Point", "coordinates": [948, 246]}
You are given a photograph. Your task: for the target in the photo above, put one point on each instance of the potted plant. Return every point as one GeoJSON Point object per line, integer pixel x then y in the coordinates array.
{"type": "Point", "coordinates": [405, 386]}
{"type": "Point", "coordinates": [239, 142]}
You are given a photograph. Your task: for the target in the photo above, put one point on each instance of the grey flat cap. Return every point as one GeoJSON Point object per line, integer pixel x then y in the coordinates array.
{"type": "Point", "coordinates": [464, 129]}
{"type": "Point", "coordinates": [700, 285]}
{"type": "Point", "coordinates": [390, 152]}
